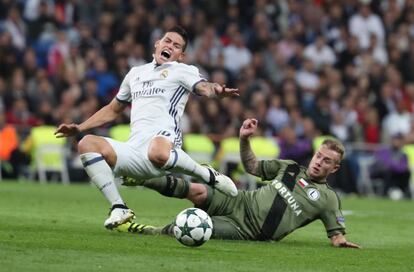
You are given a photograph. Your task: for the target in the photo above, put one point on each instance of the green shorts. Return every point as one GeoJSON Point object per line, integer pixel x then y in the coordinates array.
{"type": "Point", "coordinates": [230, 215]}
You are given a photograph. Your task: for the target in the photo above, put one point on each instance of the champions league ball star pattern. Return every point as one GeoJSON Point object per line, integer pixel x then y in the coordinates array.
{"type": "Point", "coordinates": [193, 227]}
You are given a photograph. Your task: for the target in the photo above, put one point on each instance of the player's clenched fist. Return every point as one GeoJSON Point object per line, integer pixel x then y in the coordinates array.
{"type": "Point", "coordinates": [248, 128]}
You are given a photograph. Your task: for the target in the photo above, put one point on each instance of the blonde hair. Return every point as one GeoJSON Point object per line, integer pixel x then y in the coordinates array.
{"type": "Point", "coordinates": [335, 145]}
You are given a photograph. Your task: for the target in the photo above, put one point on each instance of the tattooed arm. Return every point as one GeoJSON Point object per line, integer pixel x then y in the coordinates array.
{"type": "Point", "coordinates": [209, 89]}
{"type": "Point", "coordinates": [247, 156]}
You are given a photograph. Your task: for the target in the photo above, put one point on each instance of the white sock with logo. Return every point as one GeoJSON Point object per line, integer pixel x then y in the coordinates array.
{"type": "Point", "coordinates": [180, 162]}
{"type": "Point", "coordinates": [102, 176]}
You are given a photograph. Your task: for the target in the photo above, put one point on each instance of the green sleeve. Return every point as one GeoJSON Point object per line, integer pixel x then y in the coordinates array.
{"type": "Point", "coordinates": [332, 217]}
{"type": "Point", "coordinates": [269, 169]}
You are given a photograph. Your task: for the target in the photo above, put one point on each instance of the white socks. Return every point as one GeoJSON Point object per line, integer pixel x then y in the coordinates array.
{"type": "Point", "coordinates": [180, 162]}
{"type": "Point", "coordinates": [101, 175]}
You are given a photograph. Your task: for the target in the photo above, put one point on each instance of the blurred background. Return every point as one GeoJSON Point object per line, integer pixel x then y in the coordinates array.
{"type": "Point", "coordinates": [306, 69]}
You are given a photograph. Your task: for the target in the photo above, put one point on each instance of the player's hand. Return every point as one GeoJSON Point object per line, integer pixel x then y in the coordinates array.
{"type": "Point", "coordinates": [349, 245]}
{"type": "Point", "coordinates": [340, 241]}
{"type": "Point", "coordinates": [223, 91]}
{"type": "Point", "coordinates": [248, 128]}
{"type": "Point", "coordinates": [67, 130]}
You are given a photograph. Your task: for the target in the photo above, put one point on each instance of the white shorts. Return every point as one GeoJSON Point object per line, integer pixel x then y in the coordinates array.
{"type": "Point", "coordinates": [132, 156]}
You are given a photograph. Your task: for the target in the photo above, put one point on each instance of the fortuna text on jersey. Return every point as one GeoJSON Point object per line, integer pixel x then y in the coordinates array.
{"type": "Point", "coordinates": [287, 195]}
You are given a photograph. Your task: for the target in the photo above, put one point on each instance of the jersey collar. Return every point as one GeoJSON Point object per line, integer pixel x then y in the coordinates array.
{"type": "Point", "coordinates": [324, 181]}
{"type": "Point", "coordinates": [156, 65]}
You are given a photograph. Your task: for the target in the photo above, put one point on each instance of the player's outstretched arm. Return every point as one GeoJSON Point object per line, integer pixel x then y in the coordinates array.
{"type": "Point", "coordinates": [209, 89]}
{"type": "Point", "coordinates": [340, 241]}
{"type": "Point", "coordinates": [101, 117]}
{"type": "Point", "coordinates": [247, 156]}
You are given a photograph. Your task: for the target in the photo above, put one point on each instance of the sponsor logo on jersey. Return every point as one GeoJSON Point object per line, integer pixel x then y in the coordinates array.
{"type": "Point", "coordinates": [164, 74]}
{"type": "Point", "coordinates": [303, 183]}
{"type": "Point", "coordinates": [148, 89]}
{"type": "Point", "coordinates": [287, 195]}
{"type": "Point", "coordinates": [147, 92]}
{"type": "Point", "coordinates": [313, 194]}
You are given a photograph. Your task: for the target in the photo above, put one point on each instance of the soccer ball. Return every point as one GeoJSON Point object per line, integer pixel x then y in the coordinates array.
{"type": "Point", "coordinates": [193, 227]}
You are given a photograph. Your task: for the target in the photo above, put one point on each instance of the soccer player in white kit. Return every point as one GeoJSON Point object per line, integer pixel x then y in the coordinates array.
{"type": "Point", "coordinates": [158, 92]}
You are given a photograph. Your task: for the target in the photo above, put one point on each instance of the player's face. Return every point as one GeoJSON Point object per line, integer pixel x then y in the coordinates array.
{"type": "Point", "coordinates": [169, 48]}
{"type": "Point", "coordinates": [324, 162]}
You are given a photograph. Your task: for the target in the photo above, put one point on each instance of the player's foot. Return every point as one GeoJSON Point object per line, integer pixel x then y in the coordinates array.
{"type": "Point", "coordinates": [132, 227]}
{"type": "Point", "coordinates": [118, 215]}
{"type": "Point", "coordinates": [221, 182]}
{"type": "Point", "coordinates": [128, 181]}
{"type": "Point", "coordinates": [168, 229]}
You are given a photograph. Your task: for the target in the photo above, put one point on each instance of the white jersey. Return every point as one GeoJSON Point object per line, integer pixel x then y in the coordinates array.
{"type": "Point", "coordinates": [158, 95]}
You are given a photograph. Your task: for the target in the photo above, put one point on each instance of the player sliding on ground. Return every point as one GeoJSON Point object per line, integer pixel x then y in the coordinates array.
{"type": "Point", "coordinates": [294, 197]}
{"type": "Point", "coordinates": [158, 92]}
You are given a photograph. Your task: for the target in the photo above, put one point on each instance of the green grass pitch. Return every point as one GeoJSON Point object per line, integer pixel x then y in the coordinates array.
{"type": "Point", "coordinates": [52, 227]}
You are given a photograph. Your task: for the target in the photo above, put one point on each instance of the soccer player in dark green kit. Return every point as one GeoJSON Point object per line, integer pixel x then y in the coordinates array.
{"type": "Point", "coordinates": [294, 197]}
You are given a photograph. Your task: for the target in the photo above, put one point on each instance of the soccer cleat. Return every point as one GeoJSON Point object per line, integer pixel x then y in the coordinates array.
{"type": "Point", "coordinates": [118, 215]}
{"type": "Point", "coordinates": [168, 229]}
{"type": "Point", "coordinates": [128, 181]}
{"type": "Point", "coordinates": [221, 182]}
{"type": "Point", "coordinates": [132, 227]}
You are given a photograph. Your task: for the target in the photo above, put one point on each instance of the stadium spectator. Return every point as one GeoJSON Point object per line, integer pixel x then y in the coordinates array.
{"type": "Point", "coordinates": [292, 148]}
{"type": "Point", "coordinates": [391, 167]}
{"type": "Point", "coordinates": [20, 116]}
{"type": "Point", "coordinates": [207, 48]}
{"type": "Point", "coordinates": [277, 117]}
{"type": "Point", "coordinates": [338, 127]}
{"type": "Point", "coordinates": [8, 55]}
{"type": "Point", "coordinates": [105, 79]}
{"type": "Point", "coordinates": [332, 26]}
{"type": "Point", "coordinates": [396, 122]}
{"type": "Point", "coordinates": [288, 45]}
{"type": "Point", "coordinates": [9, 143]}
{"type": "Point", "coordinates": [308, 81]}
{"type": "Point", "coordinates": [321, 115]}
{"type": "Point", "coordinates": [12, 159]}
{"type": "Point", "coordinates": [371, 126]}
{"type": "Point", "coordinates": [365, 23]}
{"type": "Point", "coordinates": [236, 55]}
{"type": "Point", "coordinates": [38, 14]}
{"type": "Point", "coordinates": [320, 53]}
{"type": "Point", "coordinates": [15, 25]}
{"type": "Point", "coordinates": [74, 61]}
{"type": "Point", "coordinates": [274, 63]}
{"type": "Point", "coordinates": [351, 51]}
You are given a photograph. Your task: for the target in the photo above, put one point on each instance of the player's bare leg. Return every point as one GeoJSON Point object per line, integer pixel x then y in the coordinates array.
{"type": "Point", "coordinates": [162, 154]}
{"type": "Point", "coordinates": [98, 157]}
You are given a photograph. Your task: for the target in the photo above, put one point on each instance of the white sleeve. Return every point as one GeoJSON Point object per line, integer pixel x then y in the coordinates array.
{"type": "Point", "coordinates": [124, 93]}
{"type": "Point", "coordinates": [378, 29]}
{"type": "Point", "coordinates": [354, 25]}
{"type": "Point", "coordinates": [189, 76]}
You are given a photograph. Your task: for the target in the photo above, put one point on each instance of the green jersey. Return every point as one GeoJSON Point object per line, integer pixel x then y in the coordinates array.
{"type": "Point", "coordinates": [290, 201]}
{"type": "Point", "coordinates": [293, 200]}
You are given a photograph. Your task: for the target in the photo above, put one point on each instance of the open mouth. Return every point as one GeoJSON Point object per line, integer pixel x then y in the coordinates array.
{"type": "Point", "coordinates": [165, 54]}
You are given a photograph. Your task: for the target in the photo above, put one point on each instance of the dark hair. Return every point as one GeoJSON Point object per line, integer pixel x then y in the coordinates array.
{"type": "Point", "coordinates": [180, 31]}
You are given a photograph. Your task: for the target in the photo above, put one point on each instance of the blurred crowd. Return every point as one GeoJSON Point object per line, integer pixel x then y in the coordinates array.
{"type": "Point", "coordinates": [303, 67]}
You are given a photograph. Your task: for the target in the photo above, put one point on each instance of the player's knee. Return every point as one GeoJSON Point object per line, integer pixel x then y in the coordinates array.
{"type": "Point", "coordinates": [158, 157]}
{"type": "Point", "coordinates": [86, 144]}
{"type": "Point", "coordinates": [197, 193]}
{"type": "Point", "coordinates": [90, 143]}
